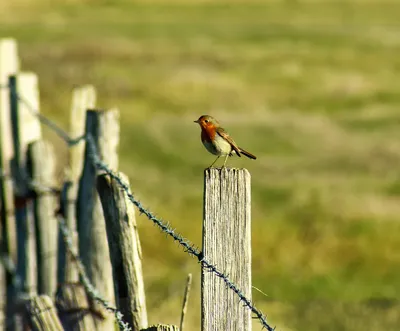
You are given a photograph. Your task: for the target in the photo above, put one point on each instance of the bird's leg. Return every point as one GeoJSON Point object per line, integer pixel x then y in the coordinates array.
{"type": "Point", "coordinates": [215, 161]}
{"type": "Point", "coordinates": [226, 158]}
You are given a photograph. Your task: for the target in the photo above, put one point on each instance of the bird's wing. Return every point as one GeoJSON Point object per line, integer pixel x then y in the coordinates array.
{"type": "Point", "coordinates": [226, 136]}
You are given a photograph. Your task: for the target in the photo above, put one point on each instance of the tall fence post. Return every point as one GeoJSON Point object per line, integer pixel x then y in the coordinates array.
{"type": "Point", "coordinates": [9, 65]}
{"type": "Point", "coordinates": [71, 299]}
{"type": "Point", "coordinates": [103, 128]}
{"type": "Point", "coordinates": [125, 251]}
{"type": "Point", "coordinates": [226, 244]}
{"type": "Point", "coordinates": [24, 96]}
{"type": "Point", "coordinates": [83, 98]}
{"type": "Point", "coordinates": [41, 166]}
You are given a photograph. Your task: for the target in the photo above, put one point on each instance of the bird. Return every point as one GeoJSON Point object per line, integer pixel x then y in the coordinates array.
{"type": "Point", "coordinates": [217, 141]}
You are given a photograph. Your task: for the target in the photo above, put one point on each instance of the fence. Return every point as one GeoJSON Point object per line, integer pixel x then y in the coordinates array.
{"type": "Point", "coordinates": [59, 246]}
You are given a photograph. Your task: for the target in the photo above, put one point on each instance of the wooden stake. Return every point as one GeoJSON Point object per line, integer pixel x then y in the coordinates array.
{"type": "Point", "coordinates": [41, 166]}
{"type": "Point", "coordinates": [125, 251]}
{"type": "Point", "coordinates": [74, 308]}
{"type": "Point", "coordinates": [24, 97]}
{"type": "Point", "coordinates": [226, 244]}
{"type": "Point", "coordinates": [26, 127]}
{"type": "Point", "coordinates": [41, 314]}
{"type": "Point", "coordinates": [9, 65]}
{"type": "Point", "coordinates": [103, 126]}
{"type": "Point", "coordinates": [83, 98]}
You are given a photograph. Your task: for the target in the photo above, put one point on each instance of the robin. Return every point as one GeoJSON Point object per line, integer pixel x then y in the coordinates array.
{"type": "Point", "coordinates": [217, 141]}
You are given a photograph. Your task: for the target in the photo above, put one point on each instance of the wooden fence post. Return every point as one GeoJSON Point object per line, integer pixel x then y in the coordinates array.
{"type": "Point", "coordinates": [26, 128]}
{"type": "Point", "coordinates": [103, 127]}
{"type": "Point", "coordinates": [83, 98]}
{"type": "Point", "coordinates": [25, 125]}
{"type": "Point", "coordinates": [226, 244]}
{"type": "Point", "coordinates": [41, 314]}
{"type": "Point", "coordinates": [71, 300]}
{"type": "Point", "coordinates": [9, 65]}
{"type": "Point", "coordinates": [125, 251]}
{"type": "Point", "coordinates": [41, 166]}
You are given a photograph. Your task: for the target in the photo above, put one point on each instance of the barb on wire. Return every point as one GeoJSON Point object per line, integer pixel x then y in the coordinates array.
{"type": "Point", "coordinates": [165, 227]}
{"type": "Point", "coordinates": [90, 289]}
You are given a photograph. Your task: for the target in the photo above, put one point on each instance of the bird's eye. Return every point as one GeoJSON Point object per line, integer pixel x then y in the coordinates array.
{"type": "Point", "coordinates": [206, 121]}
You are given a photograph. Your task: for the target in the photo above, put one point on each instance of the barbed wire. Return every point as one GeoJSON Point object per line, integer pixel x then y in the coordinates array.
{"type": "Point", "coordinates": [94, 294]}
{"type": "Point", "coordinates": [163, 225]}
{"type": "Point", "coordinates": [90, 289]}
{"type": "Point", "coordinates": [185, 243]}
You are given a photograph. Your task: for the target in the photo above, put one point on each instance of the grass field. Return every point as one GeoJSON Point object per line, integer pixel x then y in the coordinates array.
{"type": "Point", "coordinates": [311, 88]}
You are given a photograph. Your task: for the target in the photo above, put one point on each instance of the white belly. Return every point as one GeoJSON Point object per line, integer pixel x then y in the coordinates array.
{"type": "Point", "coordinates": [219, 147]}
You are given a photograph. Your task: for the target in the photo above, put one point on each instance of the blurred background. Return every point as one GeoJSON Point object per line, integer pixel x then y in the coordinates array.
{"type": "Point", "coordinates": [310, 87]}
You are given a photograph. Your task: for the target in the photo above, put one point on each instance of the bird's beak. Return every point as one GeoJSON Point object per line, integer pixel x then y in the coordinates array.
{"type": "Point", "coordinates": [196, 121]}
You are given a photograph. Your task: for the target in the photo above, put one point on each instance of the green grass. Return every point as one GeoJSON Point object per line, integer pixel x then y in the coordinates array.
{"type": "Point", "coordinates": [311, 88]}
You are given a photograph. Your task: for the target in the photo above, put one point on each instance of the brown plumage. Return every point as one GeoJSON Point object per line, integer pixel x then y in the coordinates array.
{"type": "Point", "coordinates": [217, 141]}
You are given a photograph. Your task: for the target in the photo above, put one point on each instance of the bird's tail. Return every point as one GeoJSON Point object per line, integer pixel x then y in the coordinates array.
{"type": "Point", "coordinates": [249, 155]}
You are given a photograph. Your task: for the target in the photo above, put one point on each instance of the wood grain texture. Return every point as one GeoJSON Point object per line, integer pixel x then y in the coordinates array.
{"type": "Point", "coordinates": [226, 244]}
{"type": "Point", "coordinates": [24, 99]}
{"type": "Point", "coordinates": [26, 126]}
{"type": "Point", "coordinates": [125, 251]}
{"type": "Point", "coordinates": [41, 314]}
{"type": "Point", "coordinates": [41, 167]}
{"type": "Point", "coordinates": [74, 307]}
{"type": "Point", "coordinates": [103, 126]}
{"type": "Point", "coordinates": [26, 239]}
{"type": "Point", "coordinates": [9, 65]}
{"type": "Point", "coordinates": [83, 98]}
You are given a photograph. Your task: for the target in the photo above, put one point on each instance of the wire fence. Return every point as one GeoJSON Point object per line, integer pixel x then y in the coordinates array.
{"type": "Point", "coordinates": [90, 289]}
{"type": "Point", "coordinates": [164, 226]}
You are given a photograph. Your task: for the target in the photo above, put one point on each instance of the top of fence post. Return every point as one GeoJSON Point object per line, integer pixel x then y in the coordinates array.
{"type": "Point", "coordinates": [226, 244]}
{"type": "Point", "coordinates": [9, 65]}
{"type": "Point", "coordinates": [26, 126]}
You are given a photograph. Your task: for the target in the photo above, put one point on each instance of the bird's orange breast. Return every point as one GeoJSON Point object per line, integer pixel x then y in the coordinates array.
{"type": "Point", "coordinates": [208, 133]}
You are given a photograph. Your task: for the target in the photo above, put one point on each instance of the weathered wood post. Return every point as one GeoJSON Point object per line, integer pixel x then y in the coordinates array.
{"type": "Point", "coordinates": [41, 166]}
{"type": "Point", "coordinates": [41, 314]}
{"type": "Point", "coordinates": [26, 127]}
{"type": "Point", "coordinates": [125, 251]}
{"type": "Point", "coordinates": [9, 65]}
{"type": "Point", "coordinates": [83, 98]}
{"type": "Point", "coordinates": [71, 300]}
{"type": "Point", "coordinates": [24, 96]}
{"type": "Point", "coordinates": [103, 127]}
{"type": "Point", "coordinates": [227, 245]}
